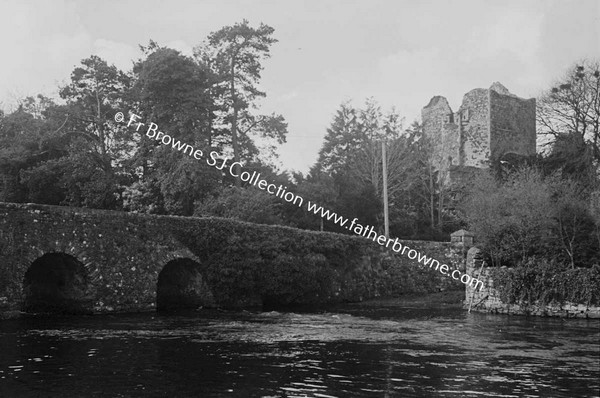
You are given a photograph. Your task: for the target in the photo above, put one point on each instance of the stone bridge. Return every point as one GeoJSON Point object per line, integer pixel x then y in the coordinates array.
{"type": "Point", "coordinates": [76, 260]}
{"type": "Point", "coordinates": [63, 259]}
{"type": "Point", "coordinates": [83, 260]}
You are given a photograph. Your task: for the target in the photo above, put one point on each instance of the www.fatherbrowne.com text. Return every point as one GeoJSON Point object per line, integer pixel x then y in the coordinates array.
{"type": "Point", "coordinates": [254, 178]}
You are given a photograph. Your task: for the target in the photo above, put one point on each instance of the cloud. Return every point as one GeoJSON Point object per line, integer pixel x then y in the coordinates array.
{"type": "Point", "coordinates": [399, 52]}
{"type": "Point", "coordinates": [120, 54]}
{"type": "Point", "coordinates": [507, 48]}
{"type": "Point", "coordinates": [285, 97]}
{"type": "Point", "coordinates": [408, 78]}
{"type": "Point", "coordinates": [182, 46]}
{"type": "Point", "coordinates": [41, 58]}
{"type": "Point", "coordinates": [503, 44]}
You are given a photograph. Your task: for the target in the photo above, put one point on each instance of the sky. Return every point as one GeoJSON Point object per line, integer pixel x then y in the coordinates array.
{"type": "Point", "coordinates": [399, 52]}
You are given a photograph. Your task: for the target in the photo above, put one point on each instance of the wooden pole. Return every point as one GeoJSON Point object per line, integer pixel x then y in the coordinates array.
{"type": "Point", "coordinates": [385, 191]}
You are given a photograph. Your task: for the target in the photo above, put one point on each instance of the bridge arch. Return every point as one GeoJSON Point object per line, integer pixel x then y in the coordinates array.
{"type": "Point", "coordinates": [57, 282]}
{"type": "Point", "coordinates": [182, 285]}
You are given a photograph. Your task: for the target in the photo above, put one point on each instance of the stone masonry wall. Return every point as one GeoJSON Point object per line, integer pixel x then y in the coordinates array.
{"type": "Point", "coordinates": [488, 298]}
{"type": "Point", "coordinates": [489, 124]}
{"type": "Point", "coordinates": [439, 124]}
{"type": "Point", "coordinates": [475, 140]}
{"type": "Point", "coordinates": [243, 264]}
{"type": "Point", "coordinates": [512, 125]}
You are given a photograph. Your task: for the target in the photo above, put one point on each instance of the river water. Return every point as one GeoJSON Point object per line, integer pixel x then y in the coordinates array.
{"type": "Point", "coordinates": [350, 351]}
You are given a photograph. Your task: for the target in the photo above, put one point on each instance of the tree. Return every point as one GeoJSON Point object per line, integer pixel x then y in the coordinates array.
{"type": "Point", "coordinates": [98, 146]}
{"type": "Point", "coordinates": [269, 130]}
{"type": "Point", "coordinates": [172, 91]}
{"type": "Point", "coordinates": [595, 212]}
{"type": "Point", "coordinates": [511, 219]}
{"type": "Point", "coordinates": [31, 145]}
{"type": "Point", "coordinates": [420, 175]}
{"type": "Point", "coordinates": [341, 140]}
{"type": "Point", "coordinates": [318, 187]}
{"type": "Point", "coordinates": [527, 215]}
{"type": "Point", "coordinates": [94, 95]}
{"type": "Point", "coordinates": [575, 225]}
{"type": "Point", "coordinates": [572, 158]}
{"type": "Point", "coordinates": [375, 128]}
{"type": "Point", "coordinates": [19, 138]}
{"type": "Point", "coordinates": [235, 54]}
{"type": "Point", "coordinates": [352, 155]}
{"type": "Point", "coordinates": [572, 106]}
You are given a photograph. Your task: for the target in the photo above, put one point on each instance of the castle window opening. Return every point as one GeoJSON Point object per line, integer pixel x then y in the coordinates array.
{"type": "Point", "coordinates": [465, 115]}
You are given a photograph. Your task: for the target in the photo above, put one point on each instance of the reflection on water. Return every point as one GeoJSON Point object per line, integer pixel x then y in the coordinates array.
{"type": "Point", "coordinates": [348, 352]}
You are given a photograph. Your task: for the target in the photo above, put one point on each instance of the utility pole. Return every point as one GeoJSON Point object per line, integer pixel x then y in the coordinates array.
{"type": "Point", "coordinates": [386, 219]}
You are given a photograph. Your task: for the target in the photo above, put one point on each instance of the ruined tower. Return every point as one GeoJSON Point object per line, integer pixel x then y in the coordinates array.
{"type": "Point", "coordinates": [490, 125]}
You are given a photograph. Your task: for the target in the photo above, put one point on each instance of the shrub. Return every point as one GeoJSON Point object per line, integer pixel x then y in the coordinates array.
{"type": "Point", "coordinates": [528, 215]}
{"type": "Point", "coordinates": [541, 281]}
{"type": "Point", "coordinates": [250, 264]}
{"type": "Point", "coordinates": [244, 204]}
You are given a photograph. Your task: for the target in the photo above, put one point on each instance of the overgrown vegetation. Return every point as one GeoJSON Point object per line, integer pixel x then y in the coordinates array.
{"type": "Point", "coordinates": [250, 264]}
{"type": "Point", "coordinates": [541, 281]}
{"type": "Point", "coordinates": [350, 164]}
{"type": "Point", "coordinates": [528, 214]}
{"type": "Point", "coordinates": [74, 154]}
{"type": "Point", "coordinates": [540, 217]}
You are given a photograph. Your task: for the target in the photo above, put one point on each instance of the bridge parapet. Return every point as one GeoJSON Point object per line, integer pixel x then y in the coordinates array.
{"type": "Point", "coordinates": [111, 261]}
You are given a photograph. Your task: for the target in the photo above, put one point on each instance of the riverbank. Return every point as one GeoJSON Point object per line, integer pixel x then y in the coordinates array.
{"type": "Point", "coordinates": [417, 306]}
{"type": "Point", "coordinates": [534, 293]}
{"type": "Point", "coordinates": [440, 300]}
{"type": "Point", "coordinates": [452, 298]}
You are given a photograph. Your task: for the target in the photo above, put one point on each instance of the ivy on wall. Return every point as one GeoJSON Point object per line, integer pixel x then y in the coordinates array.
{"type": "Point", "coordinates": [539, 281]}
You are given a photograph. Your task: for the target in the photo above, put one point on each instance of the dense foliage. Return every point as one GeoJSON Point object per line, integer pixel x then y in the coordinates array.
{"type": "Point", "coordinates": [75, 154]}
{"type": "Point", "coordinates": [242, 204]}
{"type": "Point", "coordinates": [528, 214]}
{"type": "Point", "coordinates": [539, 281]}
{"type": "Point", "coordinates": [572, 107]}
{"type": "Point", "coordinates": [547, 207]}
{"type": "Point", "coordinates": [540, 217]}
{"type": "Point", "coordinates": [350, 165]}
{"type": "Point", "coordinates": [286, 266]}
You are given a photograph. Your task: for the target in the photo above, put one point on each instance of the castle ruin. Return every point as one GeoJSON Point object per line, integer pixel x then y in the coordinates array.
{"type": "Point", "coordinates": [490, 125]}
